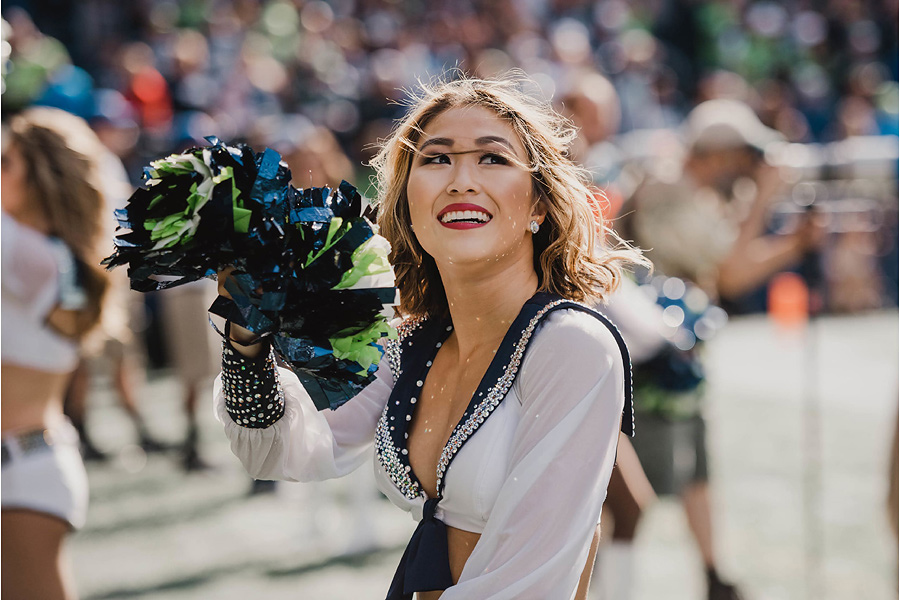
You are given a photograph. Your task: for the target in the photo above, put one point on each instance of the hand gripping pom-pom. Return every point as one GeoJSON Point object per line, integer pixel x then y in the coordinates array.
{"type": "Point", "coordinates": [309, 270]}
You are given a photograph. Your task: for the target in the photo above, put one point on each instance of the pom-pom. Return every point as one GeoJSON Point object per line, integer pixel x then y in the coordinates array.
{"type": "Point", "coordinates": [309, 270]}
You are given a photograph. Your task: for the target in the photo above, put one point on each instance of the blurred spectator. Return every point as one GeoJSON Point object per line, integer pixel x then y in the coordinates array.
{"type": "Point", "coordinates": [115, 343]}
{"type": "Point", "coordinates": [312, 152]}
{"type": "Point", "coordinates": [702, 226]}
{"type": "Point", "coordinates": [33, 58]}
{"type": "Point", "coordinates": [115, 122]}
{"type": "Point", "coordinates": [707, 223]}
{"type": "Point", "coordinates": [53, 289]}
{"type": "Point", "coordinates": [146, 88]}
{"type": "Point", "coordinates": [592, 104]}
{"type": "Point", "coordinates": [194, 353]}
{"type": "Point", "coordinates": [594, 107]}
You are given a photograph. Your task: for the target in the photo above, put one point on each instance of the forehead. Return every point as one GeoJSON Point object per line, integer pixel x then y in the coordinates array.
{"type": "Point", "coordinates": [465, 124]}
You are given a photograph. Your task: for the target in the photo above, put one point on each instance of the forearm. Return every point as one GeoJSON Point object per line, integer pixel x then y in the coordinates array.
{"type": "Point", "coordinates": [754, 224]}
{"type": "Point", "coordinates": [253, 395]}
{"type": "Point", "coordinates": [750, 266]}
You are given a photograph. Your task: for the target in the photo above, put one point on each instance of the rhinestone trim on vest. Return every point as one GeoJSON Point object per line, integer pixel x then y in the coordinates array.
{"type": "Point", "coordinates": [390, 459]}
{"type": "Point", "coordinates": [392, 347]}
{"type": "Point", "coordinates": [387, 453]}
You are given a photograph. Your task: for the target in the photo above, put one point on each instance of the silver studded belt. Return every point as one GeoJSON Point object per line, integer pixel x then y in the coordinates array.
{"type": "Point", "coordinates": [23, 444]}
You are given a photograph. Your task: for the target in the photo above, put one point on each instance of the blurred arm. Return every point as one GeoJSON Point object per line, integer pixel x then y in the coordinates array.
{"type": "Point", "coordinates": [755, 256]}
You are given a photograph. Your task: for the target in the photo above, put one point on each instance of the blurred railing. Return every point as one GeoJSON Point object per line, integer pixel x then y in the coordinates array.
{"type": "Point", "coordinates": [852, 185]}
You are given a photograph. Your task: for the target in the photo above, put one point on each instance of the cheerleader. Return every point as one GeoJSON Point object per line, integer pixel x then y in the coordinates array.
{"type": "Point", "coordinates": [52, 292]}
{"type": "Point", "coordinates": [495, 414]}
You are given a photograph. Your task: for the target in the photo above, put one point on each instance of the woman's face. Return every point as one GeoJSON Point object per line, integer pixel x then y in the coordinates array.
{"type": "Point", "coordinates": [470, 199]}
{"type": "Point", "coordinates": [12, 182]}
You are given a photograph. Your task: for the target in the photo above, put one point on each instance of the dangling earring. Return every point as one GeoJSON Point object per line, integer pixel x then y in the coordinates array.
{"type": "Point", "coordinates": [534, 226]}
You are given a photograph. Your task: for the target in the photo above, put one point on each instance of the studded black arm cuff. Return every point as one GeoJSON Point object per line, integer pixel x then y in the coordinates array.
{"type": "Point", "coordinates": [253, 394]}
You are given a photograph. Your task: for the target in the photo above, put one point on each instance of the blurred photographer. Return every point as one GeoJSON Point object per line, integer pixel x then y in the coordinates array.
{"type": "Point", "coordinates": [707, 224]}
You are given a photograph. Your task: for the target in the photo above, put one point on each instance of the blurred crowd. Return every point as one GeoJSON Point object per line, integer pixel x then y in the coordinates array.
{"type": "Point", "coordinates": [321, 81]}
{"type": "Point", "coordinates": [324, 79]}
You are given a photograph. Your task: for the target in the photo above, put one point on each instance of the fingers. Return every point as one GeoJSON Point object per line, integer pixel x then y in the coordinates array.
{"type": "Point", "coordinates": [221, 277]}
{"type": "Point", "coordinates": [813, 231]}
{"type": "Point", "coordinates": [768, 181]}
{"type": "Point", "coordinates": [226, 274]}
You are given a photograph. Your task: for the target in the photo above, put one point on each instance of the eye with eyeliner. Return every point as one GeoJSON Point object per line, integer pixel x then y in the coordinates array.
{"type": "Point", "coordinates": [496, 159]}
{"type": "Point", "coordinates": [432, 159]}
{"type": "Point", "coordinates": [492, 158]}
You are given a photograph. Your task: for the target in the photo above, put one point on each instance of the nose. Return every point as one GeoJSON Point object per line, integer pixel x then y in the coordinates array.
{"type": "Point", "coordinates": [463, 179]}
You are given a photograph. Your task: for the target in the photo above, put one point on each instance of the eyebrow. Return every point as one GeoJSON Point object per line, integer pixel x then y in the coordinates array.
{"type": "Point", "coordinates": [482, 141]}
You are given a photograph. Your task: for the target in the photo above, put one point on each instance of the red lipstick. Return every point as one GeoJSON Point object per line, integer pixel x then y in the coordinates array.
{"type": "Point", "coordinates": [462, 221]}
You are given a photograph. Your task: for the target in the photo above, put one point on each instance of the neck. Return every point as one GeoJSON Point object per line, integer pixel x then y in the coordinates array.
{"type": "Point", "coordinates": [484, 305]}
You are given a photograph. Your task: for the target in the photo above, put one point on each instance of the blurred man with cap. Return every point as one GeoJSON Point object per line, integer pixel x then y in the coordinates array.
{"type": "Point", "coordinates": [724, 124]}
{"type": "Point", "coordinates": [706, 224]}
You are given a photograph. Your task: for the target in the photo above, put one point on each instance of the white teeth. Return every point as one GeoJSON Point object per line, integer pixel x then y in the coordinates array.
{"type": "Point", "coordinates": [465, 215]}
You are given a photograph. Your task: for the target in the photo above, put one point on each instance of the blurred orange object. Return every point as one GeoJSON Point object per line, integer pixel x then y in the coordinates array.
{"type": "Point", "coordinates": [788, 300]}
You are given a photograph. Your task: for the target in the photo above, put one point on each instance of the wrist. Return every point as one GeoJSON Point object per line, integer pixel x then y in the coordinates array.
{"type": "Point", "coordinates": [244, 341]}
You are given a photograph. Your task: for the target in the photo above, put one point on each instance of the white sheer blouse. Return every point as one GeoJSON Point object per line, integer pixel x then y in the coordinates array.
{"type": "Point", "coordinates": [531, 479]}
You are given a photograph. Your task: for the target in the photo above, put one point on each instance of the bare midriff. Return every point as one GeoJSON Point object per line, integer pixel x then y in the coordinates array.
{"type": "Point", "coordinates": [31, 397]}
{"type": "Point", "coordinates": [461, 543]}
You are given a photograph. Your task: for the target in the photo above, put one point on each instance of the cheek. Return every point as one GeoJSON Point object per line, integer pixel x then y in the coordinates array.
{"type": "Point", "coordinates": [413, 190]}
{"type": "Point", "coordinates": [520, 194]}
{"type": "Point", "coordinates": [11, 191]}
{"type": "Point", "coordinates": [420, 204]}
{"type": "Point", "coordinates": [420, 197]}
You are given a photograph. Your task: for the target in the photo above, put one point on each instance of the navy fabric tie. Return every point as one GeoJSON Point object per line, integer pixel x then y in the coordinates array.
{"type": "Point", "coordinates": [425, 565]}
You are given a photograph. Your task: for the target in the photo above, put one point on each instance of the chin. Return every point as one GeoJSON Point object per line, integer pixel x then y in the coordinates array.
{"type": "Point", "coordinates": [460, 258]}
{"type": "Point", "coordinates": [474, 255]}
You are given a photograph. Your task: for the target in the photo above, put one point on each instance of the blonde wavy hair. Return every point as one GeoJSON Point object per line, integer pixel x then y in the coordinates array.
{"type": "Point", "coordinates": [60, 154]}
{"type": "Point", "coordinates": [573, 254]}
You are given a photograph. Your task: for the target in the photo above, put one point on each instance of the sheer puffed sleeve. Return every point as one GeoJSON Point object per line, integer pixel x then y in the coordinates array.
{"type": "Point", "coordinates": [536, 541]}
{"type": "Point", "coordinates": [306, 444]}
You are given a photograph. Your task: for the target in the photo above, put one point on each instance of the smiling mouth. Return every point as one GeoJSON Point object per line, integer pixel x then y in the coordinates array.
{"type": "Point", "coordinates": [464, 216]}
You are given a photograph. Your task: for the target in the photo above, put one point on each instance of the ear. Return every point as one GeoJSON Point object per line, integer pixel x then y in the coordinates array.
{"type": "Point", "coordinates": [539, 209]}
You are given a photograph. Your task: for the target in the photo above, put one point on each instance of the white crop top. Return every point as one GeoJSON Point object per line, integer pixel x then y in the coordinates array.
{"type": "Point", "coordinates": [531, 478]}
{"type": "Point", "coordinates": [32, 264]}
